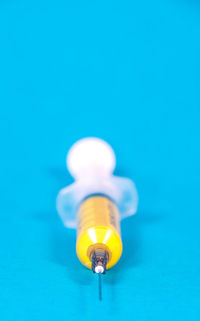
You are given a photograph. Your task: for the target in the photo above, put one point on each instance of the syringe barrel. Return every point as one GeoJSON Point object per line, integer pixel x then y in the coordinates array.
{"type": "Point", "coordinates": [98, 228]}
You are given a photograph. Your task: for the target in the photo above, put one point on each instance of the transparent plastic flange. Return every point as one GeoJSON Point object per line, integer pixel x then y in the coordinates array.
{"type": "Point", "coordinates": [121, 190]}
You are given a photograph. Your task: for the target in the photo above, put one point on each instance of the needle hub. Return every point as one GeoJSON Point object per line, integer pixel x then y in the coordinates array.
{"type": "Point", "coordinates": [99, 261]}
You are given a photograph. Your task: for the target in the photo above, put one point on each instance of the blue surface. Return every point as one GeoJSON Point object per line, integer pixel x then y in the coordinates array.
{"type": "Point", "coordinates": [128, 72]}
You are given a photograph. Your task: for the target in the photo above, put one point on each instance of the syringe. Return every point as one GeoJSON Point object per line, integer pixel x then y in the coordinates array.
{"type": "Point", "coordinates": [95, 203]}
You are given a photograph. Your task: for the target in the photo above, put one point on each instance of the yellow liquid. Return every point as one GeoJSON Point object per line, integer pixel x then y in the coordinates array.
{"type": "Point", "coordinates": [98, 228]}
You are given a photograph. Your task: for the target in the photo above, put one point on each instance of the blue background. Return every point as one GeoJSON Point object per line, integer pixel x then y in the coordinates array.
{"type": "Point", "coordinates": [128, 72]}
